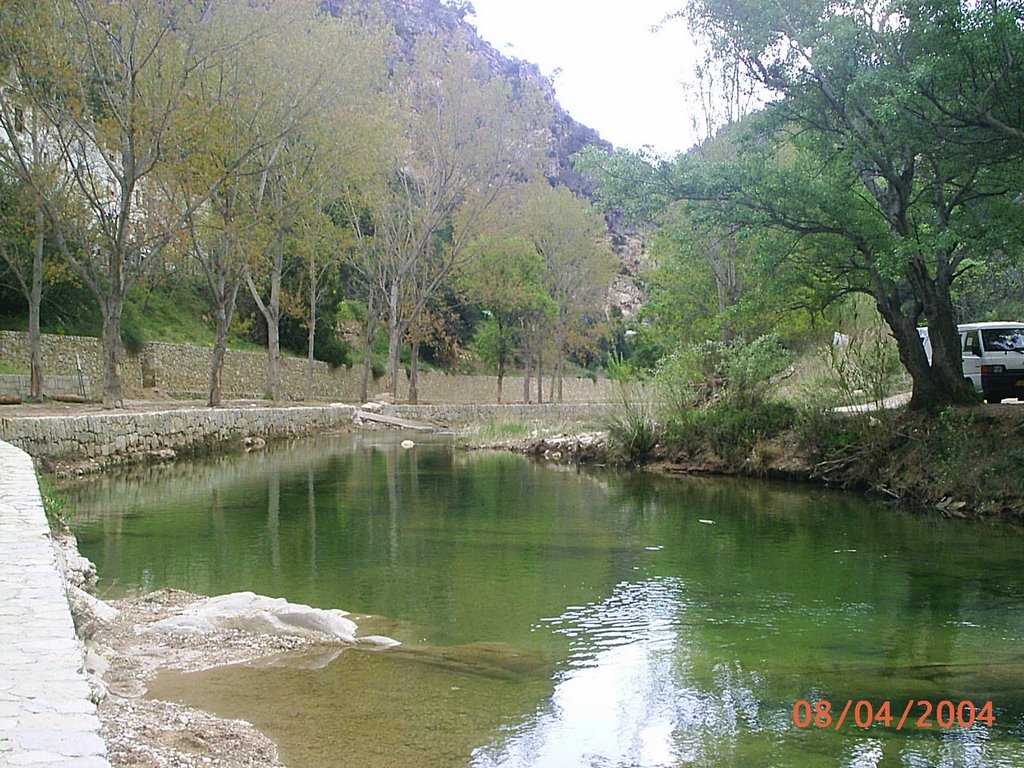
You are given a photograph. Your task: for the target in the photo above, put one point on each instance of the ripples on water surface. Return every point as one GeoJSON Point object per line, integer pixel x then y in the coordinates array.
{"type": "Point", "coordinates": [557, 619]}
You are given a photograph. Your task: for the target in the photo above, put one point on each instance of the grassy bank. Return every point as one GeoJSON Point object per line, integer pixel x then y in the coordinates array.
{"type": "Point", "coordinates": [961, 462]}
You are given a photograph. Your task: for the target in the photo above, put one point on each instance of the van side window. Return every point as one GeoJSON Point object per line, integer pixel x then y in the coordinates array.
{"type": "Point", "coordinates": [971, 344]}
{"type": "Point", "coordinates": [1003, 340]}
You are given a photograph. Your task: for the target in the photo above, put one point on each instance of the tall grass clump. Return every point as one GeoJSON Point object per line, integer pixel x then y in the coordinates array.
{"type": "Point", "coordinates": [858, 363]}
{"type": "Point", "coordinates": [865, 367]}
{"type": "Point", "coordinates": [633, 428]}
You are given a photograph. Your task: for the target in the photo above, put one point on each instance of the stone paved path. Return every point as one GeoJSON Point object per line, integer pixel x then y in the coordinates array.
{"type": "Point", "coordinates": [46, 717]}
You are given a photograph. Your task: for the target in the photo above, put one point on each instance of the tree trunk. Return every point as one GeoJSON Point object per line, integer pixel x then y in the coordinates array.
{"type": "Point", "coordinates": [113, 393]}
{"type": "Point", "coordinates": [213, 399]}
{"type": "Point", "coordinates": [273, 388]}
{"type": "Point", "coordinates": [370, 332]}
{"type": "Point", "coordinates": [395, 331]}
{"type": "Point", "coordinates": [556, 372]}
{"type": "Point", "coordinates": [947, 352]}
{"type": "Point", "coordinates": [942, 383]}
{"type": "Point", "coordinates": [501, 373]}
{"type": "Point", "coordinates": [35, 298]}
{"type": "Point", "coordinates": [364, 383]}
{"type": "Point", "coordinates": [225, 297]}
{"type": "Point", "coordinates": [311, 337]}
{"type": "Point", "coordinates": [394, 357]}
{"type": "Point", "coordinates": [414, 371]}
{"type": "Point", "coordinates": [526, 378]}
{"type": "Point", "coordinates": [272, 315]}
{"type": "Point", "coordinates": [540, 375]}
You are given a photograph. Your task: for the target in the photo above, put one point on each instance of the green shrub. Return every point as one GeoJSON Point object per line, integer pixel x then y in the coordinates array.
{"type": "Point", "coordinates": [330, 349]}
{"type": "Point", "coordinates": [55, 505]}
{"type": "Point", "coordinates": [823, 434]}
{"type": "Point", "coordinates": [738, 371]}
{"type": "Point", "coordinates": [748, 367]}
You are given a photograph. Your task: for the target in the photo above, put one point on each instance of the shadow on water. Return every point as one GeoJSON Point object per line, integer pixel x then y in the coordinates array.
{"type": "Point", "coordinates": [554, 619]}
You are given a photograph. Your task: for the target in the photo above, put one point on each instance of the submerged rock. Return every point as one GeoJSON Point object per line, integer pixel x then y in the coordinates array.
{"type": "Point", "coordinates": [256, 614]}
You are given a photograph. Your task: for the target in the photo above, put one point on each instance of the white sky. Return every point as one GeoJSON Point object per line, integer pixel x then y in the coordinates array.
{"type": "Point", "coordinates": [616, 75]}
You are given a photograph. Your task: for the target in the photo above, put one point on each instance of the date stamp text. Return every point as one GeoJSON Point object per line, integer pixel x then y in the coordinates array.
{"type": "Point", "coordinates": [917, 713]}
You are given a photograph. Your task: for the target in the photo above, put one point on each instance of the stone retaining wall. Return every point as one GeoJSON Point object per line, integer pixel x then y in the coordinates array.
{"type": "Point", "coordinates": [184, 370]}
{"type": "Point", "coordinates": [17, 385]}
{"type": "Point", "coordinates": [131, 437]}
{"type": "Point", "coordinates": [455, 414]}
{"type": "Point", "coordinates": [47, 718]}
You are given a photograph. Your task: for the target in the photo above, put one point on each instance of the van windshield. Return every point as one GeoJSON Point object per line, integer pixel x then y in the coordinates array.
{"type": "Point", "coordinates": [1003, 340]}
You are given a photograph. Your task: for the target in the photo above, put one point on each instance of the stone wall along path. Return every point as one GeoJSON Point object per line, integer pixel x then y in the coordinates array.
{"type": "Point", "coordinates": [47, 719]}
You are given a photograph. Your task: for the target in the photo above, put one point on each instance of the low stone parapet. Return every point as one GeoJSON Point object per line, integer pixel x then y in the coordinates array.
{"type": "Point", "coordinates": [111, 438]}
{"type": "Point", "coordinates": [460, 414]}
{"type": "Point", "coordinates": [47, 718]}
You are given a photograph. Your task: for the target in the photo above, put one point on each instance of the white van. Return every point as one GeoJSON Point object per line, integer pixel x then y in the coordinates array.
{"type": "Point", "coordinates": [993, 358]}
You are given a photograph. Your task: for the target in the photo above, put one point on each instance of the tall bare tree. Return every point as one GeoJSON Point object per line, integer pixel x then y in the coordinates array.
{"type": "Point", "coordinates": [469, 141]}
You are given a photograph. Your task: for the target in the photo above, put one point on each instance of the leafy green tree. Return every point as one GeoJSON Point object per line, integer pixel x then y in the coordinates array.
{"type": "Point", "coordinates": [972, 73]}
{"type": "Point", "coordinates": [22, 249]}
{"type": "Point", "coordinates": [572, 238]}
{"type": "Point", "coordinates": [505, 277]}
{"type": "Point", "coordinates": [878, 190]}
{"type": "Point", "coordinates": [32, 172]}
{"type": "Point", "coordinates": [105, 80]}
{"type": "Point", "coordinates": [240, 114]}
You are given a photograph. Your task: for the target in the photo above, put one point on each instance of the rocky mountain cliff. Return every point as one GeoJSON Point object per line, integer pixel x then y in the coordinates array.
{"type": "Point", "coordinates": [413, 18]}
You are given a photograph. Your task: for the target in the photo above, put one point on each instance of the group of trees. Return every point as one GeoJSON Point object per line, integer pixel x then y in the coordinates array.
{"type": "Point", "coordinates": [275, 148]}
{"type": "Point", "coordinates": [888, 161]}
{"type": "Point", "coordinates": [541, 277]}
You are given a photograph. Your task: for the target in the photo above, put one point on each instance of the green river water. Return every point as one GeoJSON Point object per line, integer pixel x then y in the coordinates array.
{"type": "Point", "coordinates": [553, 618]}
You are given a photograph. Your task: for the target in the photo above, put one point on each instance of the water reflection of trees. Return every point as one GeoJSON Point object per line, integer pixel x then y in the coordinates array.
{"type": "Point", "coordinates": [791, 592]}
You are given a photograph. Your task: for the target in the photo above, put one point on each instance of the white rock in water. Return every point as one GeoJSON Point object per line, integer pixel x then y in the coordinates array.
{"type": "Point", "coordinates": [407, 444]}
{"type": "Point", "coordinates": [378, 641]}
{"type": "Point", "coordinates": [372, 407]}
{"type": "Point", "coordinates": [260, 615]}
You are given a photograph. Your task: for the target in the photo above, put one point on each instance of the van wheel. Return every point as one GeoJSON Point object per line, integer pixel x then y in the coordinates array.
{"type": "Point", "coordinates": [993, 399]}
